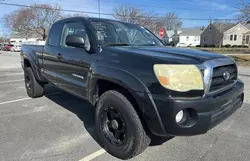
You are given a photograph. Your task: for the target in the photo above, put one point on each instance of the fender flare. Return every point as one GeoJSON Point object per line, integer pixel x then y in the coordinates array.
{"type": "Point", "coordinates": [33, 60]}
{"type": "Point", "coordinates": [135, 87]}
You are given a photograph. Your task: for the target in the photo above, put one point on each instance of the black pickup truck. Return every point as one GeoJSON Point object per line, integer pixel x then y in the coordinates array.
{"type": "Point", "coordinates": [139, 87]}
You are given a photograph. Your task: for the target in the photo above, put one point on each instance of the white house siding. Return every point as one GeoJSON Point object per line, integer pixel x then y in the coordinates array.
{"type": "Point", "coordinates": [234, 36]}
{"type": "Point", "coordinates": [190, 40]}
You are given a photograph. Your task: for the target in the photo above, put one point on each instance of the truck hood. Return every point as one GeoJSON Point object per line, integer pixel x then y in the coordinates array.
{"type": "Point", "coordinates": [171, 54]}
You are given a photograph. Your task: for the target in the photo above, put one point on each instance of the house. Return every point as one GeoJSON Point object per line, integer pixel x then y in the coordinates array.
{"type": "Point", "coordinates": [246, 36]}
{"type": "Point", "coordinates": [213, 34]}
{"type": "Point", "coordinates": [235, 35]}
{"type": "Point", "coordinates": [187, 36]}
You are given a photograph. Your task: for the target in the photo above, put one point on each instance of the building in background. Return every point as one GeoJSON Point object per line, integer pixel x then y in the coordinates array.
{"type": "Point", "coordinates": [4, 40]}
{"type": "Point", "coordinates": [18, 40]}
{"type": "Point", "coordinates": [187, 37]}
{"type": "Point", "coordinates": [235, 35]}
{"type": "Point", "coordinates": [246, 40]}
{"type": "Point", "coordinates": [213, 34]}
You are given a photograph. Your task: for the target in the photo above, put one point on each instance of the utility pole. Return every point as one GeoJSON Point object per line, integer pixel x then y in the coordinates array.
{"type": "Point", "coordinates": [99, 8]}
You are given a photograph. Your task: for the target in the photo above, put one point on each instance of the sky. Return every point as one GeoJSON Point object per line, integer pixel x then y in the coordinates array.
{"type": "Point", "coordinates": [194, 9]}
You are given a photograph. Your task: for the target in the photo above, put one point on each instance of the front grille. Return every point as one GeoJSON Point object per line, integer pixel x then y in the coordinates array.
{"type": "Point", "coordinates": [218, 80]}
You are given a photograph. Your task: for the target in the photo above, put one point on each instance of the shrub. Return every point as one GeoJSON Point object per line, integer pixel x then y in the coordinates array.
{"type": "Point", "coordinates": [227, 45]}
{"type": "Point", "coordinates": [234, 46]}
{"type": "Point", "coordinates": [240, 46]}
{"type": "Point", "coordinates": [205, 45]}
{"type": "Point", "coordinates": [198, 46]}
{"type": "Point", "coordinates": [245, 46]}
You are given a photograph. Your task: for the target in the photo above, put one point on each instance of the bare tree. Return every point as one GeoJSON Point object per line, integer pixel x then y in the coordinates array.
{"type": "Point", "coordinates": [220, 27]}
{"type": "Point", "coordinates": [135, 15]}
{"type": "Point", "coordinates": [150, 20]}
{"type": "Point", "coordinates": [171, 21]}
{"type": "Point", "coordinates": [34, 20]}
{"type": "Point", "coordinates": [244, 12]}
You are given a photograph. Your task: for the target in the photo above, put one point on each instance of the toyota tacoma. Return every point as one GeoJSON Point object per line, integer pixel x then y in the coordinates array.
{"type": "Point", "coordinates": [138, 86]}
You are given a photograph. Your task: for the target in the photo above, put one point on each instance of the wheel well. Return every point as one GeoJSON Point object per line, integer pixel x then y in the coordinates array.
{"type": "Point", "coordinates": [103, 86]}
{"type": "Point", "coordinates": [26, 63]}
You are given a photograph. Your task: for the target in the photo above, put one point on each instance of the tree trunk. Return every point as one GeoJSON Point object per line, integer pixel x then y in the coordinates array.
{"type": "Point", "coordinates": [220, 44]}
{"type": "Point", "coordinates": [44, 35]}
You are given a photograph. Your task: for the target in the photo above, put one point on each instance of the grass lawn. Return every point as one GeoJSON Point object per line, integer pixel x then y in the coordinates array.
{"type": "Point", "coordinates": [225, 50]}
{"type": "Point", "coordinates": [242, 60]}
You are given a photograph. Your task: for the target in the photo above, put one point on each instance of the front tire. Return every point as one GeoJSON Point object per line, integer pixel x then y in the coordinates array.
{"type": "Point", "coordinates": [33, 87]}
{"type": "Point", "coordinates": [119, 127]}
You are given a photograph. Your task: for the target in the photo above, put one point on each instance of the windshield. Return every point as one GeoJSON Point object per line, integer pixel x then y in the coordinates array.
{"type": "Point", "coordinates": [123, 34]}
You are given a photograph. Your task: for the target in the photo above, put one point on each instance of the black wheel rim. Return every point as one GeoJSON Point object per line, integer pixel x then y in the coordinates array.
{"type": "Point", "coordinates": [114, 126]}
{"type": "Point", "coordinates": [28, 83]}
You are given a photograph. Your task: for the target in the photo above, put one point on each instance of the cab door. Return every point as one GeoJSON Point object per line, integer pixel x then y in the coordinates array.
{"type": "Point", "coordinates": [75, 61]}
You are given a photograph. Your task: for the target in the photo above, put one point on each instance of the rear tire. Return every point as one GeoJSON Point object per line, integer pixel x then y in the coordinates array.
{"type": "Point", "coordinates": [33, 87]}
{"type": "Point", "coordinates": [123, 136]}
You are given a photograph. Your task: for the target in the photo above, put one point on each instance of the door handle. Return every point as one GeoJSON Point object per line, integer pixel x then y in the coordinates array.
{"type": "Point", "coordinates": [59, 55]}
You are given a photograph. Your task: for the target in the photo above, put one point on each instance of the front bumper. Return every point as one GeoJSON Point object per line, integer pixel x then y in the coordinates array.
{"type": "Point", "coordinates": [207, 112]}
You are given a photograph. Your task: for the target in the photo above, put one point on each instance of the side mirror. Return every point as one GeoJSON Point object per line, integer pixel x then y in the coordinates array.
{"type": "Point", "coordinates": [75, 41]}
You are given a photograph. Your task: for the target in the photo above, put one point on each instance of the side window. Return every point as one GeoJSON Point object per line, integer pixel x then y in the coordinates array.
{"type": "Point", "coordinates": [235, 37]}
{"type": "Point", "coordinates": [55, 35]}
{"type": "Point", "coordinates": [231, 37]}
{"type": "Point", "coordinates": [78, 29]}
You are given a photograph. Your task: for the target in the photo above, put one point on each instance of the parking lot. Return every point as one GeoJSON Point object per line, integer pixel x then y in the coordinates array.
{"type": "Point", "coordinates": [59, 126]}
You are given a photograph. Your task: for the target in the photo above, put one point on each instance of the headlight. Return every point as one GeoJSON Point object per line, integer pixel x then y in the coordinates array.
{"type": "Point", "coordinates": [180, 78]}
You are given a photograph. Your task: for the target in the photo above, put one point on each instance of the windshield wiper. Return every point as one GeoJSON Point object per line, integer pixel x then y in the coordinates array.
{"type": "Point", "coordinates": [118, 44]}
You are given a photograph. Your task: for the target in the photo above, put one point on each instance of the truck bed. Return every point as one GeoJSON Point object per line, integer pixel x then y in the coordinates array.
{"type": "Point", "coordinates": [33, 48]}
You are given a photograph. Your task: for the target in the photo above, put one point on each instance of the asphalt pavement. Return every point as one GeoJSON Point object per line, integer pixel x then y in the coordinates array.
{"type": "Point", "coordinates": [60, 127]}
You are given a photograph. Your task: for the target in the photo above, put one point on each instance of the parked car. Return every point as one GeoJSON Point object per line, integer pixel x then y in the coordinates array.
{"type": "Point", "coordinates": [7, 47]}
{"type": "Point", "coordinates": [1, 46]}
{"type": "Point", "coordinates": [182, 45]}
{"type": "Point", "coordinates": [16, 48]}
{"type": "Point", "coordinates": [139, 87]}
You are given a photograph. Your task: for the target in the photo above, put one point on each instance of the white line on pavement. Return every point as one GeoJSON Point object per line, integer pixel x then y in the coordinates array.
{"type": "Point", "coordinates": [15, 100]}
{"type": "Point", "coordinates": [27, 98]}
{"type": "Point", "coordinates": [9, 74]}
{"type": "Point", "coordinates": [93, 155]}
{"type": "Point", "coordinates": [12, 81]}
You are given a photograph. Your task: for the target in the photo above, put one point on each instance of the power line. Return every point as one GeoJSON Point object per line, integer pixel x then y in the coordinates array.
{"type": "Point", "coordinates": [65, 10]}
{"type": "Point", "coordinates": [109, 14]}
{"type": "Point", "coordinates": [186, 9]}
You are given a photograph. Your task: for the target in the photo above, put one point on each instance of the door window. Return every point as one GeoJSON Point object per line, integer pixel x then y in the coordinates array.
{"type": "Point", "coordinates": [54, 35]}
{"type": "Point", "coordinates": [75, 28]}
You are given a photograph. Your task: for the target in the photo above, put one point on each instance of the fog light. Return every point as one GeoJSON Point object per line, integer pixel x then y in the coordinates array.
{"type": "Point", "coordinates": [179, 116]}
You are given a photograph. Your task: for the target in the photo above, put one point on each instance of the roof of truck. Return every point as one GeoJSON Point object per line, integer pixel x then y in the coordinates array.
{"type": "Point", "coordinates": [90, 18]}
